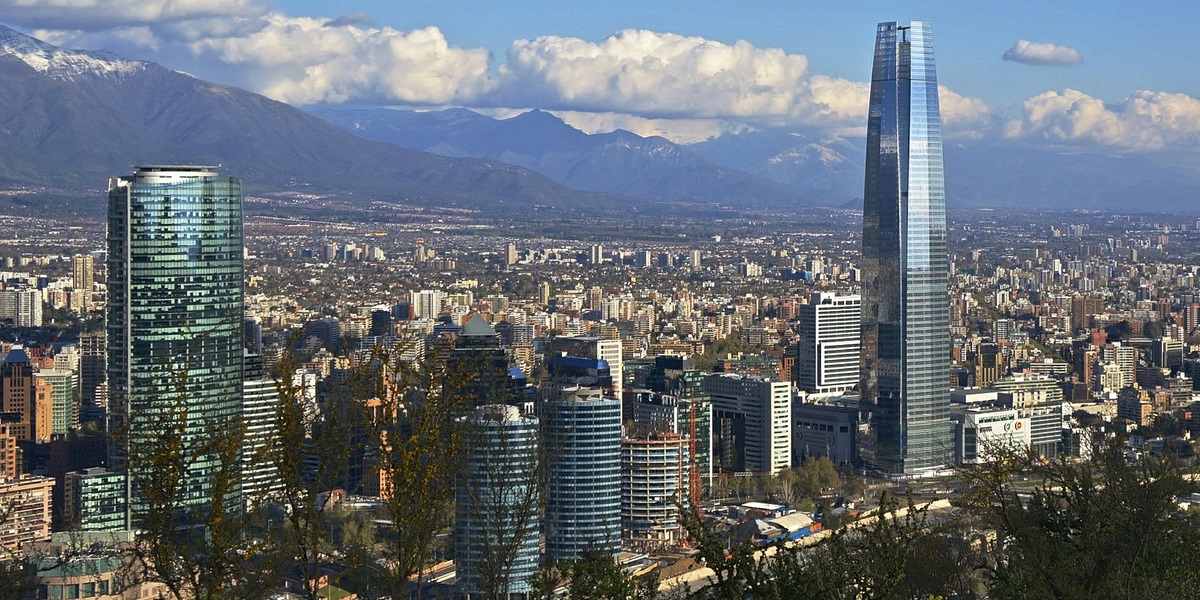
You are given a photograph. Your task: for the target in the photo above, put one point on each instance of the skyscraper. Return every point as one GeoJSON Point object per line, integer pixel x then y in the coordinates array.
{"type": "Point", "coordinates": [583, 480]}
{"type": "Point", "coordinates": [905, 308]}
{"type": "Point", "coordinates": [827, 350]}
{"type": "Point", "coordinates": [496, 504]}
{"type": "Point", "coordinates": [175, 306]}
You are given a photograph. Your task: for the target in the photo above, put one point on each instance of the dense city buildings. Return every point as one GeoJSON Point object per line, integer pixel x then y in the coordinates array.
{"type": "Point", "coordinates": [905, 317]}
{"type": "Point", "coordinates": [174, 314]}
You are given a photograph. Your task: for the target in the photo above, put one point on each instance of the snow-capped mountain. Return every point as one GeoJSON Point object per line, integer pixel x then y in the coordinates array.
{"type": "Point", "coordinates": [69, 118]}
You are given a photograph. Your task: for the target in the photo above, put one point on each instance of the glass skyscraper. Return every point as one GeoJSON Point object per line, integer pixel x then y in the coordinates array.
{"type": "Point", "coordinates": [174, 318]}
{"type": "Point", "coordinates": [905, 311]}
{"type": "Point", "coordinates": [583, 479]}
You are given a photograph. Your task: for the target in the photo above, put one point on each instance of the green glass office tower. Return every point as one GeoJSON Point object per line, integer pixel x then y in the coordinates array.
{"type": "Point", "coordinates": [905, 310]}
{"type": "Point", "coordinates": [174, 318]}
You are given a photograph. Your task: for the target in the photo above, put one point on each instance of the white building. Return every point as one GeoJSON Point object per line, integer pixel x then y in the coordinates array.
{"type": "Point", "coordinates": [827, 353]}
{"type": "Point", "coordinates": [752, 422]}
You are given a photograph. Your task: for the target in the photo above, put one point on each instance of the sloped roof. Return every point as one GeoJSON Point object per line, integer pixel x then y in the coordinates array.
{"type": "Point", "coordinates": [477, 327]}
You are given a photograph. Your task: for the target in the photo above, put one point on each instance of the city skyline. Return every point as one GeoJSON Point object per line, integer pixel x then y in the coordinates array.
{"type": "Point", "coordinates": [1046, 75]}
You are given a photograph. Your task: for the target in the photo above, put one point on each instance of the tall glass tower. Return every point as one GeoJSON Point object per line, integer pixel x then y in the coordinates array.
{"type": "Point", "coordinates": [174, 317]}
{"type": "Point", "coordinates": [905, 370]}
{"type": "Point", "coordinates": [583, 480]}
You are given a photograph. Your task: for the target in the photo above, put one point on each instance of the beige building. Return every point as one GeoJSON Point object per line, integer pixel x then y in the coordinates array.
{"type": "Point", "coordinates": [25, 504]}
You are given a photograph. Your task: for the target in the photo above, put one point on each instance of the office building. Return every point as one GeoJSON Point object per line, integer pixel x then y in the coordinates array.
{"type": "Point", "coordinates": [27, 399]}
{"type": "Point", "coordinates": [63, 409]}
{"type": "Point", "coordinates": [175, 313]}
{"type": "Point", "coordinates": [260, 402]}
{"type": "Point", "coordinates": [95, 499]}
{"type": "Point", "coordinates": [752, 422]}
{"type": "Point", "coordinates": [828, 345]}
{"type": "Point", "coordinates": [92, 365]}
{"type": "Point", "coordinates": [496, 503]}
{"type": "Point", "coordinates": [596, 348]}
{"type": "Point", "coordinates": [905, 306]}
{"type": "Point", "coordinates": [583, 475]}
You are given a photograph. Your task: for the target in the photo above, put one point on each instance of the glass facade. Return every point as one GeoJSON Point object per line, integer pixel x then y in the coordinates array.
{"type": "Point", "coordinates": [496, 504]}
{"type": "Point", "coordinates": [174, 319]}
{"type": "Point", "coordinates": [583, 478]}
{"type": "Point", "coordinates": [905, 311]}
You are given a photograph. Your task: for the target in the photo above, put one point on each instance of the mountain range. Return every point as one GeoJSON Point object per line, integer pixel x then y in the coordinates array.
{"type": "Point", "coordinates": [69, 118]}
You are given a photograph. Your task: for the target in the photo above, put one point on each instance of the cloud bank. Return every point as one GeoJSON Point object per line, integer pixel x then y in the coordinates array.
{"type": "Point", "coordinates": [1144, 121]}
{"type": "Point", "coordinates": [1042, 53]}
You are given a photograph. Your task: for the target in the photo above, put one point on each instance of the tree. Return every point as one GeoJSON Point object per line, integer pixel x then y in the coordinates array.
{"type": "Point", "coordinates": [1104, 528]}
{"type": "Point", "coordinates": [596, 576]}
{"type": "Point", "coordinates": [815, 476]}
{"type": "Point", "coordinates": [419, 443]}
{"type": "Point", "coordinates": [194, 549]}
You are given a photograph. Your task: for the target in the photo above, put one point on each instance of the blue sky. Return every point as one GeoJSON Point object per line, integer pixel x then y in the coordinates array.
{"type": "Point", "coordinates": [1100, 75]}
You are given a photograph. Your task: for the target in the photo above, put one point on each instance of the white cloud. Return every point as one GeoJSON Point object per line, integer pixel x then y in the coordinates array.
{"type": "Point", "coordinates": [654, 75]}
{"type": "Point", "coordinates": [1144, 121]}
{"type": "Point", "coordinates": [1042, 53]}
{"type": "Point", "coordinates": [96, 15]}
{"type": "Point", "coordinates": [650, 82]}
{"type": "Point", "coordinates": [680, 131]}
{"type": "Point", "coordinates": [329, 62]}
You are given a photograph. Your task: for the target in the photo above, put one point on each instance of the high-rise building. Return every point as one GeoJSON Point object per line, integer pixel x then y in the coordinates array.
{"type": "Point", "coordinates": [23, 305]}
{"type": "Point", "coordinates": [260, 401]}
{"type": "Point", "coordinates": [905, 306]}
{"type": "Point", "coordinates": [92, 360]}
{"type": "Point", "coordinates": [27, 515]}
{"type": "Point", "coordinates": [752, 422]}
{"type": "Point", "coordinates": [583, 475]}
{"type": "Point", "coordinates": [654, 482]}
{"type": "Point", "coordinates": [64, 410]}
{"type": "Point", "coordinates": [595, 348]}
{"type": "Point", "coordinates": [427, 304]}
{"type": "Point", "coordinates": [175, 312]}
{"type": "Point", "coordinates": [596, 254]}
{"type": "Point", "coordinates": [83, 275]}
{"type": "Point", "coordinates": [25, 396]}
{"type": "Point", "coordinates": [827, 351]}
{"type": "Point", "coordinates": [496, 504]}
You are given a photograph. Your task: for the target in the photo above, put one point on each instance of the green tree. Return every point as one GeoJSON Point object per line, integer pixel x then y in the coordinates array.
{"type": "Point", "coordinates": [1103, 528]}
{"type": "Point", "coordinates": [597, 576]}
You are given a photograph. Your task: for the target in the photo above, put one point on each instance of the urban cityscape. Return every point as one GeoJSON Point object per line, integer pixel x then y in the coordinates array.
{"type": "Point", "coordinates": [489, 384]}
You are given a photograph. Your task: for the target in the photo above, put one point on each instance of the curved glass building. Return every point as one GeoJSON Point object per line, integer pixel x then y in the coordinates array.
{"type": "Point", "coordinates": [174, 319]}
{"type": "Point", "coordinates": [905, 370]}
{"type": "Point", "coordinates": [583, 475]}
{"type": "Point", "coordinates": [497, 504]}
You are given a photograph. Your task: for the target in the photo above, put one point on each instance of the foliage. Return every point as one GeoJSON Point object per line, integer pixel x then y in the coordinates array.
{"type": "Point", "coordinates": [596, 576]}
{"type": "Point", "coordinates": [1105, 528]}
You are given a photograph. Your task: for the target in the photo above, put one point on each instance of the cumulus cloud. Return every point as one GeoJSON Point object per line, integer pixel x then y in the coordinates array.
{"type": "Point", "coordinates": [330, 62]}
{"type": "Point", "coordinates": [1144, 121]}
{"type": "Point", "coordinates": [654, 75]}
{"type": "Point", "coordinates": [1042, 53]}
